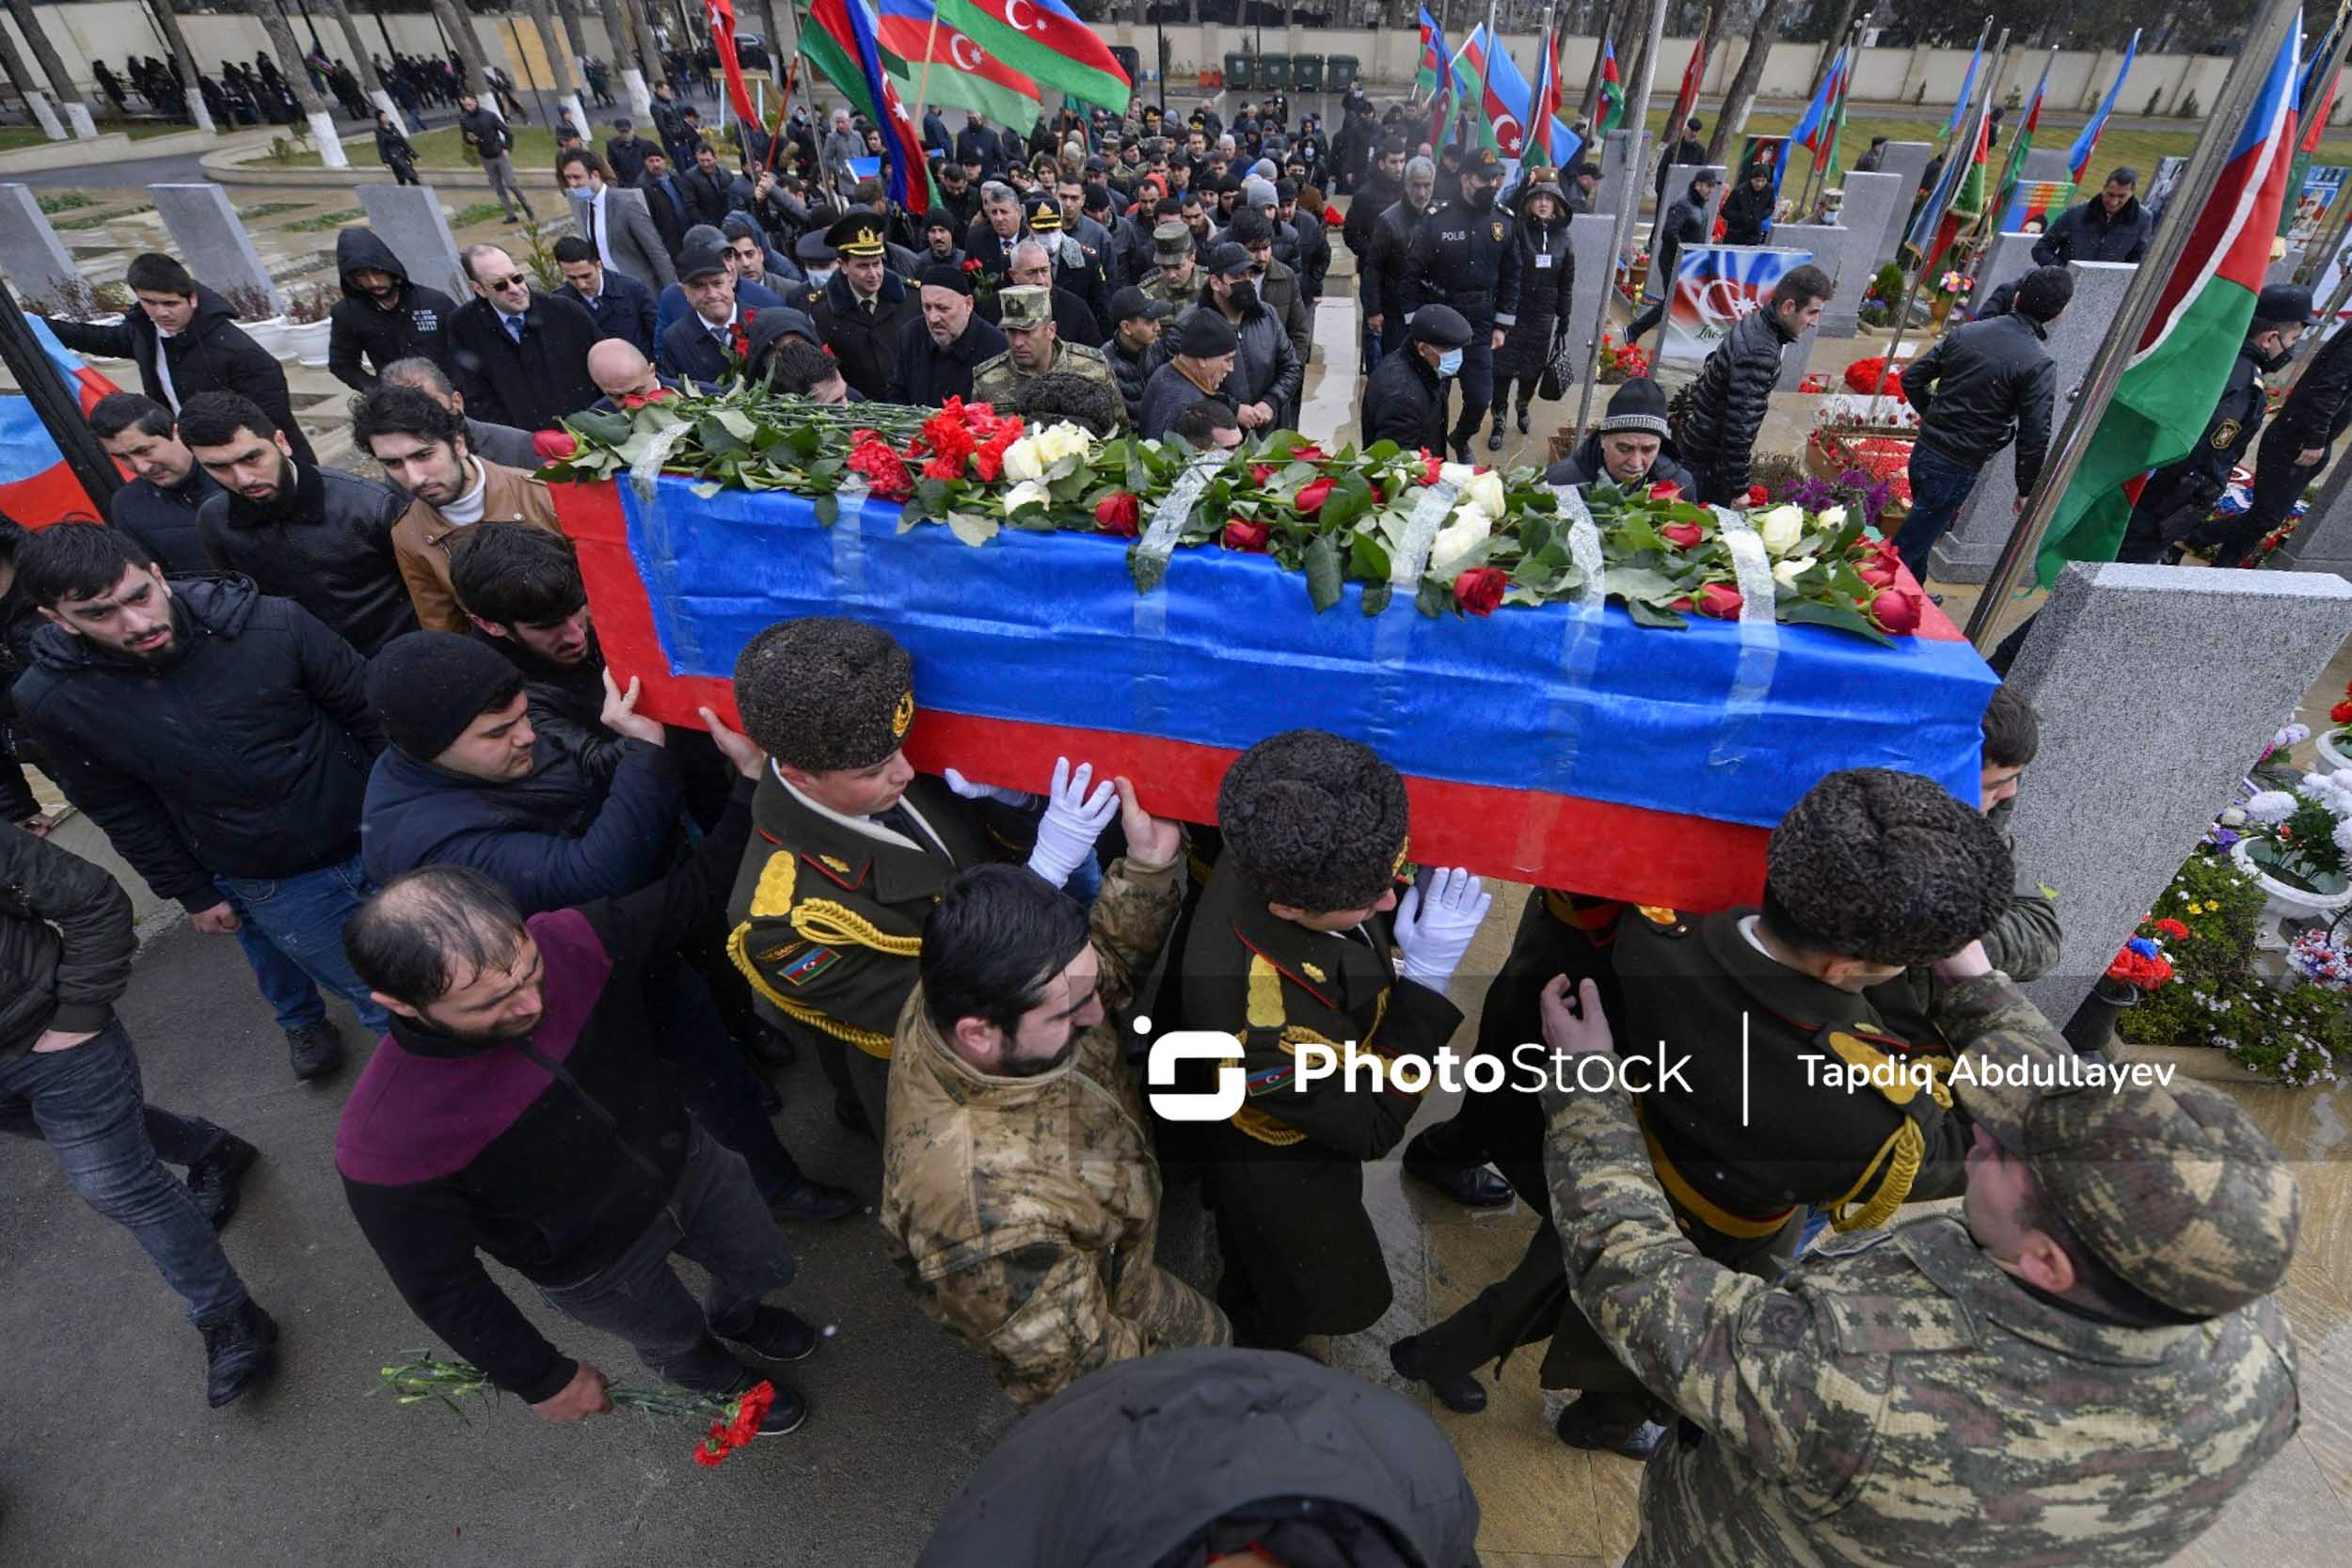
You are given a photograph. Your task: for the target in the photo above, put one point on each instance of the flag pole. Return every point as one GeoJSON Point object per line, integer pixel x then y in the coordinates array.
{"type": "Point", "coordinates": [1628, 202]}
{"type": "Point", "coordinates": [2239, 93]}
{"type": "Point", "coordinates": [1903, 319]}
{"type": "Point", "coordinates": [923, 84]}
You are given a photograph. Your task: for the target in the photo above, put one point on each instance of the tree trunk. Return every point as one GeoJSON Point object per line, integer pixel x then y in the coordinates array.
{"type": "Point", "coordinates": [60, 80]}
{"type": "Point", "coordinates": [576, 30]}
{"type": "Point", "coordinates": [560, 65]}
{"type": "Point", "coordinates": [289, 53]}
{"type": "Point", "coordinates": [13, 64]}
{"type": "Point", "coordinates": [168, 20]}
{"type": "Point", "coordinates": [1741, 98]}
{"type": "Point", "coordinates": [1829, 50]}
{"type": "Point", "coordinates": [362, 65]}
{"type": "Point", "coordinates": [459, 24]}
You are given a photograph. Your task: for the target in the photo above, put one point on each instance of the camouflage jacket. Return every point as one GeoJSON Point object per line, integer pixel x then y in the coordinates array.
{"type": "Point", "coordinates": [1024, 1211]}
{"type": "Point", "coordinates": [1184, 297]}
{"type": "Point", "coordinates": [1906, 1402]}
{"type": "Point", "coordinates": [997, 380]}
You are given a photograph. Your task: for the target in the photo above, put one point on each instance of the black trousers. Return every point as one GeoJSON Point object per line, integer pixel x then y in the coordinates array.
{"type": "Point", "coordinates": [1300, 1253]}
{"type": "Point", "coordinates": [2277, 484]}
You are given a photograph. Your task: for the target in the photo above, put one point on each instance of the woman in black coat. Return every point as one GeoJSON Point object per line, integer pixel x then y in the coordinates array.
{"type": "Point", "coordinates": [394, 150]}
{"type": "Point", "coordinates": [1546, 275]}
{"type": "Point", "coordinates": [1748, 210]}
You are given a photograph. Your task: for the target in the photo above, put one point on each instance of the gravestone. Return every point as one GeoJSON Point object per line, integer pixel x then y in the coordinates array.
{"type": "Point", "coordinates": [2323, 540]}
{"type": "Point", "coordinates": [2011, 259]}
{"type": "Point", "coordinates": [211, 243]}
{"type": "Point", "coordinates": [1844, 254]}
{"type": "Point", "coordinates": [1872, 200]}
{"type": "Point", "coordinates": [2122, 789]}
{"type": "Point", "coordinates": [1679, 181]}
{"type": "Point", "coordinates": [409, 219]}
{"type": "Point", "coordinates": [1589, 234]}
{"type": "Point", "coordinates": [2045, 163]}
{"type": "Point", "coordinates": [1973, 543]}
{"type": "Point", "coordinates": [36, 263]}
{"type": "Point", "coordinates": [1795, 357]}
{"type": "Point", "coordinates": [2283, 269]}
{"type": "Point", "coordinates": [1908, 162]}
{"type": "Point", "coordinates": [1613, 170]}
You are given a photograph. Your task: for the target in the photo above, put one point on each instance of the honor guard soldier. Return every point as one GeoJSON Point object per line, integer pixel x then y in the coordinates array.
{"type": "Point", "coordinates": [1035, 349]}
{"type": "Point", "coordinates": [1465, 254]}
{"type": "Point", "coordinates": [862, 307]}
{"type": "Point", "coordinates": [1795, 1092]}
{"type": "Point", "coordinates": [1292, 948]}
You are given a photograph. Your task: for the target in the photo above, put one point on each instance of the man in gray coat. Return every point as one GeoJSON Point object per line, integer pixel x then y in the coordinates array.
{"type": "Point", "coordinates": [618, 223]}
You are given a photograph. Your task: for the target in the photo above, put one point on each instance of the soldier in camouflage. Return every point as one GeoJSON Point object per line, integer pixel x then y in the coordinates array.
{"type": "Point", "coordinates": [1176, 278]}
{"type": "Point", "coordinates": [1020, 1191]}
{"type": "Point", "coordinates": [2082, 1366]}
{"type": "Point", "coordinates": [1036, 349]}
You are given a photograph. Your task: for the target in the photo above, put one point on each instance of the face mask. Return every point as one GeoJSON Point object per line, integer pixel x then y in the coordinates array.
{"type": "Point", "coordinates": [1245, 297]}
{"type": "Point", "coordinates": [819, 276]}
{"type": "Point", "coordinates": [2270, 361]}
{"type": "Point", "coordinates": [1482, 198]}
{"type": "Point", "coordinates": [1450, 363]}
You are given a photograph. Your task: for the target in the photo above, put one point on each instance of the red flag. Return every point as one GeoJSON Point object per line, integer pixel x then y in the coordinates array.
{"type": "Point", "coordinates": [722, 17]}
{"type": "Point", "coordinates": [1687, 99]}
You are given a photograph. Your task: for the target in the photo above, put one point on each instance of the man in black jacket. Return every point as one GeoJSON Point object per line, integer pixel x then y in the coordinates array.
{"type": "Point", "coordinates": [488, 136]}
{"type": "Point", "coordinates": [157, 505]}
{"type": "Point", "coordinates": [382, 316]}
{"type": "Point", "coordinates": [1264, 385]}
{"type": "Point", "coordinates": [1376, 196]}
{"type": "Point", "coordinates": [1135, 340]}
{"type": "Point", "coordinates": [625, 152]}
{"type": "Point", "coordinates": [318, 536]}
{"type": "Point", "coordinates": [222, 740]}
{"type": "Point", "coordinates": [520, 357]}
{"type": "Point", "coordinates": [1734, 388]}
{"type": "Point", "coordinates": [1983, 385]}
{"type": "Point", "coordinates": [938, 352]}
{"type": "Point", "coordinates": [68, 1076]}
{"type": "Point", "coordinates": [1405, 400]}
{"type": "Point", "coordinates": [666, 200]}
{"type": "Point", "coordinates": [698, 344]}
{"type": "Point", "coordinates": [1684, 223]}
{"type": "Point", "coordinates": [863, 306]}
{"type": "Point", "coordinates": [2110, 227]}
{"type": "Point", "coordinates": [185, 341]}
{"type": "Point", "coordinates": [517, 1108]}
{"type": "Point", "coordinates": [2293, 455]}
{"type": "Point", "coordinates": [1687, 149]}
{"type": "Point", "coordinates": [623, 306]}
{"type": "Point", "coordinates": [1388, 244]}
{"type": "Point", "coordinates": [1629, 449]}
{"type": "Point", "coordinates": [706, 186]}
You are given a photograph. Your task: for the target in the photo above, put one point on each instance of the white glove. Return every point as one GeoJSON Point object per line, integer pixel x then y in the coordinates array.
{"type": "Point", "coordinates": [971, 791]}
{"type": "Point", "coordinates": [1072, 821]}
{"type": "Point", "coordinates": [1434, 932]}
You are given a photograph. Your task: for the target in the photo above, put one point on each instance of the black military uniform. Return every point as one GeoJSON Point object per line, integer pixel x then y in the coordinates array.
{"type": "Point", "coordinates": [2314, 416]}
{"type": "Point", "coordinates": [863, 331]}
{"type": "Point", "coordinates": [1467, 255]}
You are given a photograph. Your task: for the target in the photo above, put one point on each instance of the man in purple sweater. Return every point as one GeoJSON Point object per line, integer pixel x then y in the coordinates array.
{"type": "Point", "coordinates": [518, 1108]}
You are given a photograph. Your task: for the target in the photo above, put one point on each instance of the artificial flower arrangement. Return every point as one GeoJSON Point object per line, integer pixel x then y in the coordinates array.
{"type": "Point", "coordinates": [2319, 957]}
{"type": "Point", "coordinates": [1621, 362]}
{"type": "Point", "coordinates": [1955, 283]}
{"type": "Point", "coordinates": [1877, 375]}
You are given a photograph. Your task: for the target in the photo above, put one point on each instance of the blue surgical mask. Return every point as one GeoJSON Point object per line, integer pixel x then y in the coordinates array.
{"type": "Point", "coordinates": [1450, 363]}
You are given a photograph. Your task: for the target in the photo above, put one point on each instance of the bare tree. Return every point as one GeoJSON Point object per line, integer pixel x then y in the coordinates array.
{"type": "Point", "coordinates": [200, 114]}
{"type": "Point", "coordinates": [1835, 36]}
{"type": "Point", "coordinates": [459, 24]}
{"type": "Point", "coordinates": [1741, 98]}
{"type": "Point", "coordinates": [60, 80]}
{"type": "Point", "coordinates": [576, 31]}
{"type": "Point", "coordinates": [362, 66]}
{"type": "Point", "coordinates": [297, 75]}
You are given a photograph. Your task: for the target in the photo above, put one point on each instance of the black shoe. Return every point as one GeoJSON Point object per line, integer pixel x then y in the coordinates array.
{"type": "Point", "coordinates": [776, 1334]}
{"type": "Point", "coordinates": [815, 1200]}
{"type": "Point", "coordinates": [1608, 1425]}
{"type": "Point", "coordinates": [1477, 1187]}
{"type": "Point", "coordinates": [786, 1415]}
{"type": "Point", "coordinates": [1494, 436]}
{"type": "Point", "coordinates": [1522, 419]}
{"type": "Point", "coordinates": [1461, 451]}
{"type": "Point", "coordinates": [239, 1352]}
{"type": "Point", "coordinates": [217, 1177]}
{"type": "Point", "coordinates": [850, 1114]}
{"type": "Point", "coordinates": [1463, 1394]}
{"type": "Point", "coordinates": [317, 1050]}
{"type": "Point", "coordinates": [772, 1047]}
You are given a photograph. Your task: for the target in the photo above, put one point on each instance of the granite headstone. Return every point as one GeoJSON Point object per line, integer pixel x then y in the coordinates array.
{"type": "Point", "coordinates": [1678, 184]}
{"type": "Point", "coordinates": [1842, 252]}
{"type": "Point", "coordinates": [1908, 162]}
{"type": "Point", "coordinates": [409, 219]}
{"type": "Point", "coordinates": [212, 241]}
{"type": "Point", "coordinates": [30, 253]}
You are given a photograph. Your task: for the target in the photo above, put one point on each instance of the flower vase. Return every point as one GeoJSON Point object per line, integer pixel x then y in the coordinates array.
{"type": "Point", "coordinates": [309, 339]}
{"type": "Point", "coordinates": [2092, 1027]}
{"type": "Point", "coordinates": [2333, 748]}
{"type": "Point", "coordinates": [2283, 901]}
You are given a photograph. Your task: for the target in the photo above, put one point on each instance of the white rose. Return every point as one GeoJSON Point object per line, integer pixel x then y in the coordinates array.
{"type": "Point", "coordinates": [1484, 492]}
{"type": "Point", "coordinates": [1027, 491]}
{"type": "Point", "coordinates": [1785, 572]}
{"type": "Point", "coordinates": [1781, 528]}
{"type": "Point", "coordinates": [1062, 440]}
{"type": "Point", "coordinates": [1456, 474]}
{"type": "Point", "coordinates": [1458, 538]}
{"type": "Point", "coordinates": [1022, 462]}
{"type": "Point", "coordinates": [1831, 518]}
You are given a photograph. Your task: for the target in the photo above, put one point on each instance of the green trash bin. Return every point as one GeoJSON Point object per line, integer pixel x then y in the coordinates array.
{"type": "Point", "coordinates": [1344, 69]}
{"type": "Point", "coordinates": [1307, 72]}
{"type": "Point", "coordinates": [1273, 72]}
{"type": "Point", "coordinates": [1239, 72]}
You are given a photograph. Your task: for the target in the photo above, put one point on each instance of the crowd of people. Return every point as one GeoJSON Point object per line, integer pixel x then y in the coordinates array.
{"type": "Point", "coordinates": [364, 726]}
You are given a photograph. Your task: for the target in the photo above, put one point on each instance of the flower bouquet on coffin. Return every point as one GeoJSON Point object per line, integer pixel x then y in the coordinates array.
{"type": "Point", "coordinates": [733, 1423]}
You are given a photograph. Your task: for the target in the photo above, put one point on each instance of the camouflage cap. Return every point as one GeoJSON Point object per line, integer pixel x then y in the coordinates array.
{"type": "Point", "coordinates": [2177, 1191]}
{"type": "Point", "coordinates": [1170, 240]}
{"type": "Point", "coordinates": [1314, 821]}
{"type": "Point", "coordinates": [823, 693]}
{"type": "Point", "coordinates": [1025, 307]}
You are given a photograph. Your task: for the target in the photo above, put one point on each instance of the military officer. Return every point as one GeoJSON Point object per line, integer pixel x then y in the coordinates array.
{"type": "Point", "coordinates": [1465, 254]}
{"type": "Point", "coordinates": [862, 307]}
{"type": "Point", "coordinates": [1291, 947]}
{"type": "Point", "coordinates": [2084, 1365]}
{"type": "Point", "coordinates": [1036, 348]}
{"type": "Point", "coordinates": [2177, 498]}
{"type": "Point", "coordinates": [1776, 1011]}
{"type": "Point", "coordinates": [1176, 276]}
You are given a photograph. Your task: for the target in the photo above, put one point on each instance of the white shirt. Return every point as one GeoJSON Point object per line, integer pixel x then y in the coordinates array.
{"type": "Point", "coordinates": [601, 223]}
{"type": "Point", "coordinates": [725, 327]}
{"type": "Point", "coordinates": [866, 826]}
{"type": "Point", "coordinates": [162, 368]}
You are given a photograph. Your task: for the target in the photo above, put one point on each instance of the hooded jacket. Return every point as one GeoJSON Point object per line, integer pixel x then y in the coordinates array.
{"type": "Point", "coordinates": [2089, 233]}
{"type": "Point", "coordinates": [213, 355]}
{"type": "Point", "coordinates": [1747, 211]}
{"type": "Point", "coordinates": [327, 547]}
{"type": "Point", "coordinates": [362, 336]}
{"type": "Point", "coordinates": [1135, 1463]}
{"type": "Point", "coordinates": [244, 753]}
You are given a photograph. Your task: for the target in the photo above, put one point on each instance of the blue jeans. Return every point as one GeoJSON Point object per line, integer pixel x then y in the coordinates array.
{"type": "Point", "coordinates": [86, 1104]}
{"type": "Point", "coordinates": [1939, 488]}
{"type": "Point", "coordinates": [296, 941]}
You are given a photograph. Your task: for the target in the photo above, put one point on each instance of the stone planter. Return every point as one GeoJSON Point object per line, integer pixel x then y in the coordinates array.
{"type": "Point", "coordinates": [2331, 759]}
{"type": "Point", "coordinates": [271, 335]}
{"type": "Point", "coordinates": [308, 340]}
{"type": "Point", "coordinates": [2283, 900]}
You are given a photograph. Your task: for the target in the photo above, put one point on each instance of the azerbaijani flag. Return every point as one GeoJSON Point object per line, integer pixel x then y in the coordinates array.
{"type": "Point", "coordinates": [2078, 156]}
{"type": "Point", "coordinates": [964, 75]}
{"type": "Point", "coordinates": [1044, 40]}
{"type": "Point", "coordinates": [1811, 131]}
{"type": "Point", "coordinates": [35, 482]}
{"type": "Point", "coordinates": [2168, 390]}
{"type": "Point", "coordinates": [1545, 110]}
{"type": "Point", "coordinates": [2014, 169]}
{"type": "Point", "coordinates": [1612, 93]}
{"type": "Point", "coordinates": [843, 42]}
{"type": "Point", "coordinates": [1969, 85]}
{"type": "Point", "coordinates": [1432, 74]}
{"type": "Point", "coordinates": [1506, 101]}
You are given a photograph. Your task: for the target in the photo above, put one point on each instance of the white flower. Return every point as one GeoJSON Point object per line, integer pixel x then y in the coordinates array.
{"type": "Point", "coordinates": [1024, 493]}
{"type": "Point", "coordinates": [2233, 817]}
{"type": "Point", "coordinates": [1456, 474]}
{"type": "Point", "coordinates": [1781, 528]}
{"type": "Point", "coordinates": [1831, 518]}
{"type": "Point", "coordinates": [1057, 441]}
{"type": "Point", "coordinates": [2292, 735]}
{"type": "Point", "coordinates": [2269, 807]}
{"type": "Point", "coordinates": [1785, 572]}
{"type": "Point", "coordinates": [2343, 836]}
{"type": "Point", "coordinates": [1458, 538]}
{"type": "Point", "coordinates": [1484, 492]}
{"type": "Point", "coordinates": [1021, 461]}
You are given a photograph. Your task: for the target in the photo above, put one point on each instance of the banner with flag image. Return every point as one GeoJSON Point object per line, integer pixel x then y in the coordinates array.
{"type": "Point", "coordinates": [1044, 40]}
{"type": "Point", "coordinates": [962, 74]}
{"type": "Point", "coordinates": [2087, 140]}
{"type": "Point", "coordinates": [1714, 286]}
{"type": "Point", "coordinates": [2036, 202]}
{"type": "Point", "coordinates": [2316, 205]}
{"type": "Point", "coordinates": [2166, 392]}
{"type": "Point", "coordinates": [1771, 151]}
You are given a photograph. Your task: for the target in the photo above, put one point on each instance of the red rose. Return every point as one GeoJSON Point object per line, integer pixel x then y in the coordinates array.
{"type": "Point", "coordinates": [2341, 712]}
{"type": "Point", "coordinates": [1896, 610]}
{"type": "Point", "coordinates": [2172, 929]}
{"type": "Point", "coordinates": [1119, 513]}
{"type": "Point", "coordinates": [553, 445]}
{"type": "Point", "coordinates": [1479, 590]}
{"type": "Point", "coordinates": [1665, 490]}
{"type": "Point", "coordinates": [1877, 573]}
{"type": "Point", "coordinates": [1683, 604]}
{"type": "Point", "coordinates": [1720, 600]}
{"type": "Point", "coordinates": [1260, 472]}
{"type": "Point", "coordinates": [1311, 496]}
{"type": "Point", "coordinates": [1240, 535]}
{"type": "Point", "coordinates": [1308, 455]}
{"type": "Point", "coordinates": [1430, 463]}
{"type": "Point", "coordinates": [1682, 536]}
{"type": "Point", "coordinates": [972, 264]}
{"type": "Point", "coordinates": [1759, 496]}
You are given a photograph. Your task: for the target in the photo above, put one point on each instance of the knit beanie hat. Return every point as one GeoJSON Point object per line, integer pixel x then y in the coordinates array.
{"type": "Point", "coordinates": [1637, 405]}
{"type": "Point", "coordinates": [823, 693]}
{"type": "Point", "coordinates": [1886, 867]}
{"type": "Point", "coordinates": [1314, 821]}
{"type": "Point", "coordinates": [426, 687]}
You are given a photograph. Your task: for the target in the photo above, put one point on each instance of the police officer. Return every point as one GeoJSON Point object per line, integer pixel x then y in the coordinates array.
{"type": "Point", "coordinates": [1036, 348]}
{"type": "Point", "coordinates": [2293, 455]}
{"type": "Point", "coordinates": [1465, 254]}
{"type": "Point", "coordinates": [2178, 498]}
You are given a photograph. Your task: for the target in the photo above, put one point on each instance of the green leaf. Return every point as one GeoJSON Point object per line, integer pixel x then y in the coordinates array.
{"type": "Point", "coordinates": [1632, 583]}
{"type": "Point", "coordinates": [1377, 597]}
{"type": "Point", "coordinates": [932, 495]}
{"type": "Point", "coordinates": [828, 507]}
{"type": "Point", "coordinates": [1349, 498]}
{"type": "Point", "coordinates": [1816, 613]}
{"type": "Point", "coordinates": [715, 437]}
{"type": "Point", "coordinates": [1323, 572]}
{"type": "Point", "coordinates": [972, 528]}
{"type": "Point", "coordinates": [706, 491]}
{"type": "Point", "coordinates": [1382, 452]}
{"type": "Point", "coordinates": [739, 424]}
{"type": "Point", "coordinates": [608, 429]}
{"type": "Point", "coordinates": [1434, 598]}
{"type": "Point", "coordinates": [1366, 559]}
{"type": "Point", "coordinates": [1651, 615]}
{"type": "Point", "coordinates": [911, 517]}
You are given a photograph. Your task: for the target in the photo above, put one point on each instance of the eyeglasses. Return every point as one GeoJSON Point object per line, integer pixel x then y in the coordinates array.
{"type": "Point", "coordinates": [518, 280]}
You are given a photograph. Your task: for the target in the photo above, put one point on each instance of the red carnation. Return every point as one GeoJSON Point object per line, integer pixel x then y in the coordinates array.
{"type": "Point", "coordinates": [1430, 463]}
{"type": "Point", "coordinates": [1241, 535]}
{"type": "Point", "coordinates": [886, 472]}
{"type": "Point", "coordinates": [1665, 490]}
{"type": "Point", "coordinates": [1759, 496]}
{"type": "Point", "coordinates": [1479, 590]}
{"type": "Point", "coordinates": [1898, 610]}
{"type": "Point", "coordinates": [1682, 536]}
{"type": "Point", "coordinates": [1119, 513]}
{"type": "Point", "coordinates": [1720, 600]}
{"type": "Point", "coordinates": [1311, 496]}
{"type": "Point", "coordinates": [2341, 712]}
{"type": "Point", "coordinates": [2172, 929]}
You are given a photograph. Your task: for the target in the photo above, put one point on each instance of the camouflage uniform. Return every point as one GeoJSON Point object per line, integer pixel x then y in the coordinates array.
{"type": "Point", "coordinates": [996, 380]}
{"type": "Point", "coordinates": [1024, 1211]}
{"type": "Point", "coordinates": [1907, 1401]}
{"type": "Point", "coordinates": [1185, 296]}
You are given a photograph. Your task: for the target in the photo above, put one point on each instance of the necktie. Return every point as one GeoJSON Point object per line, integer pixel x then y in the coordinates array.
{"type": "Point", "coordinates": [594, 243]}
{"type": "Point", "coordinates": [514, 329]}
{"type": "Point", "coordinates": [902, 821]}
{"type": "Point", "coordinates": [869, 305]}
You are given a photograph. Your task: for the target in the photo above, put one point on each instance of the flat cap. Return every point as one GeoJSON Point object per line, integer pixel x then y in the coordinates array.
{"type": "Point", "coordinates": [2283, 302]}
{"type": "Point", "coordinates": [812, 246]}
{"type": "Point", "coordinates": [1440, 324]}
{"type": "Point", "coordinates": [1205, 334]}
{"type": "Point", "coordinates": [825, 693]}
{"type": "Point", "coordinates": [1227, 260]}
